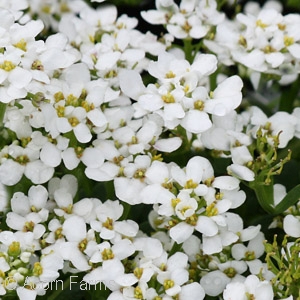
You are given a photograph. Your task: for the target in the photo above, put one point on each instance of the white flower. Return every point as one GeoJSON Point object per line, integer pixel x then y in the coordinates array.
{"type": "Point", "coordinates": [192, 291]}
{"type": "Point", "coordinates": [175, 274]}
{"type": "Point", "coordinates": [74, 229]}
{"type": "Point", "coordinates": [281, 124]}
{"type": "Point", "coordinates": [150, 247]}
{"type": "Point", "coordinates": [261, 290]}
{"type": "Point", "coordinates": [214, 282]}
{"type": "Point", "coordinates": [197, 170]}
{"type": "Point", "coordinates": [107, 224]}
{"type": "Point", "coordinates": [112, 274]}
{"type": "Point", "coordinates": [68, 183]}
{"type": "Point", "coordinates": [128, 188]}
{"type": "Point", "coordinates": [251, 252]}
{"type": "Point", "coordinates": [226, 97]}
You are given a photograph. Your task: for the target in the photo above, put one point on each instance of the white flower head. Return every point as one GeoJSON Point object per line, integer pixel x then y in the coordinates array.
{"type": "Point", "coordinates": [251, 286]}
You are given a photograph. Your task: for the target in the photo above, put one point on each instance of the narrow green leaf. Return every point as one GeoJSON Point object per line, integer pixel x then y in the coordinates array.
{"type": "Point", "coordinates": [292, 197]}
{"type": "Point", "coordinates": [265, 195]}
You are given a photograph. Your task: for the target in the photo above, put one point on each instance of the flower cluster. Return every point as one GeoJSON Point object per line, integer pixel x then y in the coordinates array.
{"type": "Point", "coordinates": [140, 162]}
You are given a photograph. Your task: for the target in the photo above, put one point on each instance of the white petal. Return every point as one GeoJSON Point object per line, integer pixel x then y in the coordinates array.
{"type": "Point", "coordinates": [11, 172]}
{"type": "Point", "coordinates": [295, 50]}
{"type": "Point", "coordinates": [155, 193]}
{"type": "Point", "coordinates": [241, 172]}
{"type": "Point", "coordinates": [20, 204]}
{"type": "Point", "coordinates": [205, 64]}
{"type": "Point", "coordinates": [50, 155]}
{"type": "Point", "coordinates": [212, 244]}
{"type": "Point", "coordinates": [128, 190]}
{"type": "Point", "coordinates": [38, 172]}
{"type": "Point", "coordinates": [54, 58]}
{"type": "Point", "coordinates": [192, 291]}
{"type": "Point", "coordinates": [238, 251]}
{"type": "Point", "coordinates": [151, 247]}
{"type": "Point", "coordinates": [291, 226]}
{"type": "Point", "coordinates": [82, 133]}
{"type": "Point", "coordinates": [168, 145]}
{"type": "Point", "coordinates": [196, 121]}
{"type": "Point", "coordinates": [279, 193]}
{"type": "Point", "coordinates": [74, 228]}
{"type": "Point", "coordinates": [126, 228]}
{"type": "Point", "coordinates": [63, 198]}
{"type": "Point", "coordinates": [275, 59]}
{"type": "Point", "coordinates": [249, 233]}
{"type": "Point", "coordinates": [154, 16]}
{"type": "Point", "coordinates": [240, 155]}
{"type": "Point", "coordinates": [70, 159]}
{"type": "Point", "coordinates": [92, 157]}
{"type": "Point", "coordinates": [150, 102]}
{"type": "Point", "coordinates": [234, 290]}
{"type": "Point", "coordinates": [20, 78]}
{"type": "Point", "coordinates": [123, 249]}
{"type": "Point", "coordinates": [63, 125]}
{"type": "Point", "coordinates": [108, 60]}
{"type": "Point", "coordinates": [77, 73]}
{"type": "Point", "coordinates": [226, 97]}
{"type": "Point", "coordinates": [226, 183]}
{"type": "Point", "coordinates": [264, 291]}
{"type": "Point", "coordinates": [131, 83]}
{"type": "Point", "coordinates": [181, 232]}
{"type": "Point", "coordinates": [38, 196]}
{"type": "Point", "coordinates": [195, 168]}
{"type": "Point", "coordinates": [70, 252]}
{"type": "Point", "coordinates": [26, 294]}
{"type": "Point", "coordinates": [214, 282]}
{"type": "Point", "coordinates": [107, 172]}
{"type": "Point", "coordinates": [206, 226]}
{"type": "Point", "coordinates": [97, 117]}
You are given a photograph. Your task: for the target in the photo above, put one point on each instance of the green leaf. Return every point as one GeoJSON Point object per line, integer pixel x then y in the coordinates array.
{"type": "Point", "coordinates": [265, 197]}
{"type": "Point", "coordinates": [292, 197]}
{"type": "Point", "coordinates": [264, 194]}
{"type": "Point", "coordinates": [293, 3]}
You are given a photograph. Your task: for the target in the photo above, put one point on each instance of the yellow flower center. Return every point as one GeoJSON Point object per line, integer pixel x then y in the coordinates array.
{"type": "Point", "coordinates": [73, 121]}
{"type": "Point", "coordinates": [7, 66]}
{"type": "Point", "coordinates": [37, 269]}
{"type": "Point", "coordinates": [199, 105]}
{"type": "Point", "coordinates": [288, 40]}
{"type": "Point", "coordinates": [108, 223]}
{"type": "Point", "coordinates": [168, 98]}
{"type": "Point", "coordinates": [211, 210]}
{"type": "Point", "coordinates": [138, 294]}
{"type": "Point", "coordinates": [168, 283]}
{"type": "Point", "coordinates": [170, 74]}
{"type": "Point", "coordinates": [21, 45]}
{"type": "Point", "coordinates": [190, 184]}
{"type": "Point", "coordinates": [107, 254]}
{"type": "Point", "coordinates": [259, 23]}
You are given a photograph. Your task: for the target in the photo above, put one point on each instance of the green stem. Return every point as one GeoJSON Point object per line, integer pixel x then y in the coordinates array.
{"type": "Point", "coordinates": [2, 112]}
{"type": "Point", "coordinates": [126, 212]}
{"type": "Point", "coordinates": [288, 96]}
{"type": "Point", "coordinates": [213, 80]}
{"type": "Point", "coordinates": [188, 50]}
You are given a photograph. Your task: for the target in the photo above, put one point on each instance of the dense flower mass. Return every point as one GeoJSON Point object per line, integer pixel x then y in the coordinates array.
{"type": "Point", "coordinates": [136, 165]}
